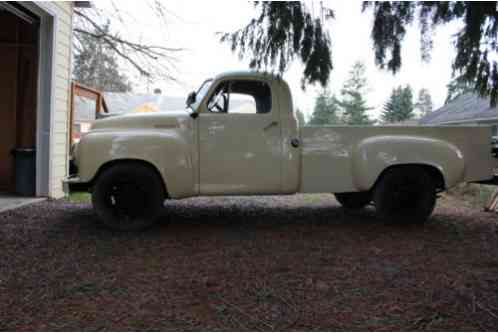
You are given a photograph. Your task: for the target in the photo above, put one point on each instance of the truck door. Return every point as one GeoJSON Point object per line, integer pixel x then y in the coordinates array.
{"type": "Point", "coordinates": [240, 150]}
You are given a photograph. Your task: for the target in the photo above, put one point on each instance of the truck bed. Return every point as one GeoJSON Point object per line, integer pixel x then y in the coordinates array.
{"type": "Point", "coordinates": [341, 148]}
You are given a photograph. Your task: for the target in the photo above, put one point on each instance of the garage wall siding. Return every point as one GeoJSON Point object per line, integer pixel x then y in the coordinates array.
{"type": "Point", "coordinates": [62, 77]}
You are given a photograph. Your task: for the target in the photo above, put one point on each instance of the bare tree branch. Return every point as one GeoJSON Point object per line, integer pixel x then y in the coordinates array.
{"type": "Point", "coordinates": [113, 46]}
{"type": "Point", "coordinates": [149, 60]}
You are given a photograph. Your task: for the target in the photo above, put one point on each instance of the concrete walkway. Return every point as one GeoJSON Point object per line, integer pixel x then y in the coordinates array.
{"type": "Point", "coordinates": [10, 201]}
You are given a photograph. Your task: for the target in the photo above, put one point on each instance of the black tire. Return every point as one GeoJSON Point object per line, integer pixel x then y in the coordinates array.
{"type": "Point", "coordinates": [354, 200]}
{"type": "Point", "coordinates": [405, 195]}
{"type": "Point", "coordinates": [128, 196]}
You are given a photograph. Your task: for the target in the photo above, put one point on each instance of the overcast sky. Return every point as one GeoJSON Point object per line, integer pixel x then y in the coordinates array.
{"type": "Point", "coordinates": [193, 26]}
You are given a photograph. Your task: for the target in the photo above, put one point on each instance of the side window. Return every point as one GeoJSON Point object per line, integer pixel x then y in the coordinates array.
{"type": "Point", "coordinates": [218, 102]}
{"type": "Point", "coordinates": [242, 103]}
{"type": "Point", "coordinates": [249, 97]}
{"type": "Point", "coordinates": [241, 96]}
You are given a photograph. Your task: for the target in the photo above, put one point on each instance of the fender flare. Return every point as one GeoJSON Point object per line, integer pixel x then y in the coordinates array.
{"type": "Point", "coordinates": [372, 156]}
{"type": "Point", "coordinates": [168, 154]}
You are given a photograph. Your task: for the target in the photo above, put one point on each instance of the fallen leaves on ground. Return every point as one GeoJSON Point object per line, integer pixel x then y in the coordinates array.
{"type": "Point", "coordinates": [260, 263]}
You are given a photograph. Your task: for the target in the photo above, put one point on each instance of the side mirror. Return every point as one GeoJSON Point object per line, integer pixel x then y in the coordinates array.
{"type": "Point", "coordinates": [191, 98]}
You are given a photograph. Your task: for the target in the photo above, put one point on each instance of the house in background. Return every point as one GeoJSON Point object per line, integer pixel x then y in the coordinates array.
{"type": "Point", "coordinates": [122, 103]}
{"type": "Point", "coordinates": [117, 104]}
{"type": "Point", "coordinates": [35, 67]}
{"type": "Point", "coordinates": [467, 109]}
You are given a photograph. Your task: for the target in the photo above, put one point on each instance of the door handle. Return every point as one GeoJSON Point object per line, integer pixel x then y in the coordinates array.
{"type": "Point", "coordinates": [270, 125]}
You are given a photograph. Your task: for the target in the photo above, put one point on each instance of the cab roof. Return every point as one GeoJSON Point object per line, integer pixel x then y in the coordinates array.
{"type": "Point", "coordinates": [247, 74]}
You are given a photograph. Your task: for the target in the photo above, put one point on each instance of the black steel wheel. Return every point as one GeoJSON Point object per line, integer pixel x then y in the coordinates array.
{"type": "Point", "coordinates": [128, 196]}
{"type": "Point", "coordinates": [405, 194]}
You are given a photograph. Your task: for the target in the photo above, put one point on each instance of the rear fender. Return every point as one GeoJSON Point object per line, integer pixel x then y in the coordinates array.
{"type": "Point", "coordinates": [375, 154]}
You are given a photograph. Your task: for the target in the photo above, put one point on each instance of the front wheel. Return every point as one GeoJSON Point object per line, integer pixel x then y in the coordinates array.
{"type": "Point", "coordinates": [128, 196]}
{"type": "Point", "coordinates": [405, 195]}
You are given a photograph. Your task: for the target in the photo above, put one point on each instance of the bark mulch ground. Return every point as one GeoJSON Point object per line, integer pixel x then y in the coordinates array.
{"type": "Point", "coordinates": [263, 263]}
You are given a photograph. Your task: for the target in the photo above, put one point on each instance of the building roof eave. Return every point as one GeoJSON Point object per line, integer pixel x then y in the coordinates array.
{"type": "Point", "coordinates": [82, 4]}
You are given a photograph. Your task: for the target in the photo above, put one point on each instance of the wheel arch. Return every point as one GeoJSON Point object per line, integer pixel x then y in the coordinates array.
{"type": "Point", "coordinates": [434, 172]}
{"type": "Point", "coordinates": [372, 157]}
{"type": "Point", "coordinates": [109, 164]}
{"type": "Point", "coordinates": [167, 151]}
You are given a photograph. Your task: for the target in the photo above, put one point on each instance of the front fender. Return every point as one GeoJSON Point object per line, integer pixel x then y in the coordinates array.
{"type": "Point", "coordinates": [167, 151]}
{"type": "Point", "coordinates": [373, 155]}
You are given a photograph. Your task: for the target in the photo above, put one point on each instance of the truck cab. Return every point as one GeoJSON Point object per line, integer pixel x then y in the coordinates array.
{"type": "Point", "coordinates": [248, 141]}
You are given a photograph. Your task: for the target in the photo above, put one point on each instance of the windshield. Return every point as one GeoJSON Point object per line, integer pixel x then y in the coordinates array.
{"type": "Point", "coordinates": [201, 92]}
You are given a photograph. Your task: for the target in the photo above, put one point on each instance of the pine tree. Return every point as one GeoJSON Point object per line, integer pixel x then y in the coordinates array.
{"type": "Point", "coordinates": [424, 102]}
{"type": "Point", "coordinates": [301, 121]}
{"type": "Point", "coordinates": [353, 104]}
{"type": "Point", "coordinates": [399, 107]}
{"type": "Point", "coordinates": [325, 111]}
{"type": "Point", "coordinates": [457, 87]}
{"type": "Point", "coordinates": [96, 66]}
{"type": "Point", "coordinates": [282, 31]}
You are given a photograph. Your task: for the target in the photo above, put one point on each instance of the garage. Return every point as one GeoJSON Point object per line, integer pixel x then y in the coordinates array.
{"type": "Point", "coordinates": [35, 62]}
{"type": "Point", "coordinates": [19, 38]}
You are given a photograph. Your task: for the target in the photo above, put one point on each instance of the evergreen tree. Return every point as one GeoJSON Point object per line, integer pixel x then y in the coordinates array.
{"type": "Point", "coordinates": [284, 30]}
{"type": "Point", "coordinates": [353, 104]}
{"type": "Point", "coordinates": [300, 118]}
{"type": "Point", "coordinates": [399, 107]}
{"type": "Point", "coordinates": [325, 111]}
{"type": "Point", "coordinates": [424, 102]}
{"type": "Point", "coordinates": [457, 87]}
{"type": "Point", "coordinates": [95, 66]}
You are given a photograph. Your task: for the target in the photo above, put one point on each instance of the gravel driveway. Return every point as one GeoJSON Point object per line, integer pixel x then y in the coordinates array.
{"type": "Point", "coordinates": [261, 263]}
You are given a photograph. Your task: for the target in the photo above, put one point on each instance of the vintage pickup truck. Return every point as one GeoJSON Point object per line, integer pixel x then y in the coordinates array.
{"type": "Point", "coordinates": [239, 136]}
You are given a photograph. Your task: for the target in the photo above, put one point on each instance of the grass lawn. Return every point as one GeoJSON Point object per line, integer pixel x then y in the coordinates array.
{"type": "Point", "coordinates": [80, 197]}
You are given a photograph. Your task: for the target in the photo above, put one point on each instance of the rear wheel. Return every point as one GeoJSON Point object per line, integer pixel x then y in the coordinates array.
{"type": "Point", "coordinates": [354, 200]}
{"type": "Point", "coordinates": [405, 195]}
{"type": "Point", "coordinates": [128, 196]}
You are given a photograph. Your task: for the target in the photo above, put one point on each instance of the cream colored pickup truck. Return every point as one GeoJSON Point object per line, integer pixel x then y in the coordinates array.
{"type": "Point", "coordinates": [238, 136]}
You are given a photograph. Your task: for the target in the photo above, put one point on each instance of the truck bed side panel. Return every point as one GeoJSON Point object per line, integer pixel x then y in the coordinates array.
{"type": "Point", "coordinates": [349, 158]}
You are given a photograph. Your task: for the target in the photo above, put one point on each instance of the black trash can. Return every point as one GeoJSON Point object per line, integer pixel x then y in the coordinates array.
{"type": "Point", "coordinates": [25, 170]}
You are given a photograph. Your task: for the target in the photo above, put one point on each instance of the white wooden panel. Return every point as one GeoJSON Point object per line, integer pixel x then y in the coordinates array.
{"type": "Point", "coordinates": [61, 117]}
{"type": "Point", "coordinates": [62, 75]}
{"type": "Point", "coordinates": [64, 33]}
{"type": "Point", "coordinates": [62, 90]}
{"type": "Point", "coordinates": [64, 7]}
{"type": "Point", "coordinates": [60, 166]}
{"type": "Point", "coordinates": [60, 126]}
{"type": "Point", "coordinates": [62, 66]}
{"type": "Point", "coordinates": [63, 100]}
{"type": "Point", "coordinates": [64, 22]}
{"type": "Point", "coordinates": [63, 52]}
{"type": "Point", "coordinates": [59, 148]}
{"type": "Point", "coordinates": [62, 83]}
{"type": "Point", "coordinates": [60, 138]}
{"type": "Point", "coordinates": [62, 97]}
